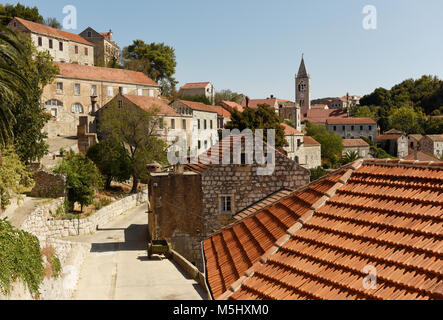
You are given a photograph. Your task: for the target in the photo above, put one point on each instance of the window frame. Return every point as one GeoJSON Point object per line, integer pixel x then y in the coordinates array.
{"type": "Point", "coordinates": [225, 204]}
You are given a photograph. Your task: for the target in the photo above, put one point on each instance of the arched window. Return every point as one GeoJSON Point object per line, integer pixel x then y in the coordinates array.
{"type": "Point", "coordinates": [54, 103]}
{"type": "Point", "coordinates": [77, 108]}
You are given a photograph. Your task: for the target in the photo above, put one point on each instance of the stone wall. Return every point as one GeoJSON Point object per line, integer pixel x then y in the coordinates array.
{"type": "Point", "coordinates": [41, 224]}
{"type": "Point", "coordinates": [48, 185]}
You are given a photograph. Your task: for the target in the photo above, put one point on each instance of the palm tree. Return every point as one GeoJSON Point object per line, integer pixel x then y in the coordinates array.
{"type": "Point", "coordinates": [349, 157]}
{"type": "Point", "coordinates": [12, 83]}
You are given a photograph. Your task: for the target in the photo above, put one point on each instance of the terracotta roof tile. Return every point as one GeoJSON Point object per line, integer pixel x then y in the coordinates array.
{"type": "Point", "coordinates": [204, 107]}
{"type": "Point", "coordinates": [435, 137]}
{"type": "Point", "coordinates": [421, 156]}
{"type": "Point", "coordinates": [318, 115]}
{"type": "Point", "coordinates": [350, 121]}
{"type": "Point", "coordinates": [229, 105]}
{"type": "Point", "coordinates": [42, 29]}
{"type": "Point", "coordinates": [290, 130]}
{"type": "Point", "coordinates": [310, 141]}
{"type": "Point", "coordinates": [254, 103]}
{"type": "Point", "coordinates": [388, 214]}
{"type": "Point", "coordinates": [148, 103]}
{"type": "Point", "coordinates": [355, 143]}
{"type": "Point", "coordinates": [92, 73]}
{"type": "Point", "coordinates": [195, 85]}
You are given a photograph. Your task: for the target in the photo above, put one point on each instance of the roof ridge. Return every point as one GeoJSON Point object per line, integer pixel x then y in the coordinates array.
{"type": "Point", "coordinates": [294, 228]}
{"type": "Point", "coordinates": [405, 163]}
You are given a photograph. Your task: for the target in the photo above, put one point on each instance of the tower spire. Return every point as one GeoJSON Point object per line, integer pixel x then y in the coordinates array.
{"type": "Point", "coordinates": [302, 73]}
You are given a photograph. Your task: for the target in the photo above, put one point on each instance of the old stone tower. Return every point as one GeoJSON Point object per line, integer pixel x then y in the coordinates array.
{"type": "Point", "coordinates": [303, 88]}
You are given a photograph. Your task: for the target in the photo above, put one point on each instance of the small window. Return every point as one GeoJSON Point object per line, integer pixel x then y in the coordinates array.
{"type": "Point", "coordinates": [93, 90]}
{"type": "Point", "coordinates": [40, 41]}
{"type": "Point", "coordinates": [183, 124]}
{"type": "Point", "coordinates": [60, 86]}
{"type": "Point", "coordinates": [361, 128]}
{"type": "Point", "coordinates": [344, 128]}
{"type": "Point", "coordinates": [206, 144]}
{"type": "Point", "coordinates": [370, 128]}
{"type": "Point", "coordinates": [172, 123]}
{"type": "Point", "coordinates": [199, 144]}
{"type": "Point", "coordinates": [352, 128]}
{"type": "Point", "coordinates": [60, 46]}
{"type": "Point", "coordinates": [86, 51]}
{"type": "Point", "coordinates": [198, 124]}
{"type": "Point", "coordinates": [161, 125]}
{"type": "Point", "coordinates": [335, 128]}
{"type": "Point", "coordinates": [77, 89]}
{"type": "Point", "coordinates": [110, 91]}
{"type": "Point", "coordinates": [226, 204]}
{"type": "Point", "coordinates": [210, 124]}
{"type": "Point", "coordinates": [120, 104]}
{"type": "Point", "coordinates": [77, 108]}
{"type": "Point", "coordinates": [140, 92]}
{"type": "Point", "coordinates": [50, 44]}
{"type": "Point", "coordinates": [205, 124]}
{"type": "Point", "coordinates": [89, 34]}
{"type": "Point", "coordinates": [54, 102]}
{"type": "Point", "coordinates": [151, 92]}
{"type": "Point", "coordinates": [76, 49]}
{"type": "Point", "coordinates": [125, 90]}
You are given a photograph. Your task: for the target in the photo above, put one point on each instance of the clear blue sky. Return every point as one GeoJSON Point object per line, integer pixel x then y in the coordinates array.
{"type": "Point", "coordinates": [255, 46]}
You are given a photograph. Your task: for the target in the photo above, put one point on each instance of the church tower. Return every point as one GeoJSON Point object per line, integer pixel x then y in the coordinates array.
{"type": "Point", "coordinates": [303, 88]}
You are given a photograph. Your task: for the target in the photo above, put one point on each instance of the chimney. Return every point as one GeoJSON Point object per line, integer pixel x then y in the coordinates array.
{"type": "Point", "coordinates": [120, 90]}
{"type": "Point", "coordinates": [110, 34]}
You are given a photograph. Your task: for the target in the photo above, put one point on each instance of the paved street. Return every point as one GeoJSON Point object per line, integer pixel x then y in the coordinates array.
{"type": "Point", "coordinates": [117, 266]}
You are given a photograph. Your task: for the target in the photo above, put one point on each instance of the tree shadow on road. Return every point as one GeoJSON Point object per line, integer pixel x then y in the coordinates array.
{"type": "Point", "coordinates": [136, 238]}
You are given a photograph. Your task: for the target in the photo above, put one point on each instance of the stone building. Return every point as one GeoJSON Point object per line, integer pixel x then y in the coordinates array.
{"type": "Point", "coordinates": [105, 49]}
{"type": "Point", "coordinates": [198, 89]}
{"type": "Point", "coordinates": [356, 145]}
{"type": "Point", "coordinates": [207, 120]}
{"type": "Point", "coordinates": [189, 204]}
{"type": "Point", "coordinates": [303, 88]}
{"type": "Point", "coordinates": [61, 45]}
{"type": "Point", "coordinates": [173, 125]}
{"type": "Point", "coordinates": [353, 128]}
{"type": "Point", "coordinates": [433, 144]}
{"type": "Point", "coordinates": [69, 96]}
{"type": "Point", "coordinates": [414, 141]}
{"type": "Point", "coordinates": [304, 150]}
{"type": "Point", "coordinates": [395, 143]}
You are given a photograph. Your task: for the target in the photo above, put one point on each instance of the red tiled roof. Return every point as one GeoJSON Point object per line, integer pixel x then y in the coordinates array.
{"type": "Point", "coordinates": [92, 73]}
{"type": "Point", "coordinates": [290, 130]}
{"type": "Point", "coordinates": [254, 103]}
{"type": "Point", "coordinates": [318, 115]}
{"type": "Point", "coordinates": [204, 107]}
{"type": "Point", "coordinates": [195, 85]}
{"type": "Point", "coordinates": [421, 156]}
{"type": "Point", "coordinates": [435, 137]}
{"type": "Point", "coordinates": [417, 137]}
{"type": "Point", "coordinates": [148, 103]}
{"type": "Point", "coordinates": [320, 106]}
{"type": "Point", "coordinates": [389, 136]}
{"type": "Point", "coordinates": [310, 141]}
{"type": "Point", "coordinates": [230, 105]}
{"type": "Point", "coordinates": [355, 143]}
{"type": "Point", "coordinates": [317, 243]}
{"type": "Point", "coordinates": [42, 29]}
{"type": "Point", "coordinates": [350, 121]}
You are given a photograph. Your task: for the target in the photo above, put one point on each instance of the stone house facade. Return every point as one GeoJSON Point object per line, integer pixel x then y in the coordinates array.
{"type": "Point", "coordinates": [304, 150]}
{"type": "Point", "coordinates": [61, 45]}
{"type": "Point", "coordinates": [174, 125]}
{"type": "Point", "coordinates": [414, 141]}
{"type": "Point", "coordinates": [356, 145]}
{"type": "Point", "coordinates": [188, 205]}
{"type": "Point", "coordinates": [69, 96]}
{"type": "Point", "coordinates": [396, 144]}
{"type": "Point", "coordinates": [433, 144]}
{"type": "Point", "coordinates": [205, 124]}
{"type": "Point", "coordinates": [105, 49]}
{"type": "Point", "coordinates": [353, 128]}
{"type": "Point", "coordinates": [198, 89]}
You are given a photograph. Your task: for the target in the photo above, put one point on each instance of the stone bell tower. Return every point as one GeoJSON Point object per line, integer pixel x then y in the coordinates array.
{"type": "Point", "coordinates": [303, 88]}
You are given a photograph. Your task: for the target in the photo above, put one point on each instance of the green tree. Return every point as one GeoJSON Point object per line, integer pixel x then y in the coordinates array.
{"type": "Point", "coordinates": [136, 130]}
{"type": "Point", "coordinates": [112, 160]}
{"type": "Point", "coordinates": [156, 60]}
{"type": "Point", "coordinates": [13, 85]}
{"type": "Point", "coordinates": [53, 23]}
{"type": "Point", "coordinates": [406, 119]}
{"type": "Point", "coordinates": [10, 11]}
{"type": "Point", "coordinates": [200, 98]}
{"type": "Point", "coordinates": [82, 179]}
{"type": "Point", "coordinates": [433, 126]}
{"type": "Point", "coordinates": [15, 178]}
{"type": "Point", "coordinates": [331, 143]}
{"type": "Point", "coordinates": [317, 173]}
{"type": "Point", "coordinates": [228, 95]}
{"type": "Point", "coordinates": [264, 117]}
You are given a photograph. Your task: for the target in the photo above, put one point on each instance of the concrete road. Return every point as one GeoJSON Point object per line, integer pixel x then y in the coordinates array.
{"type": "Point", "coordinates": [118, 268]}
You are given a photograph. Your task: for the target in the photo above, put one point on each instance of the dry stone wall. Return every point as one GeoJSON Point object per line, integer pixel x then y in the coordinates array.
{"type": "Point", "coordinates": [48, 185]}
